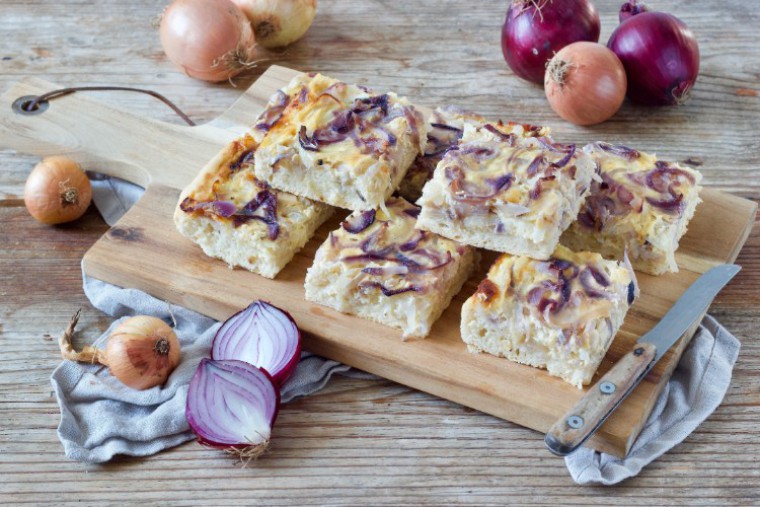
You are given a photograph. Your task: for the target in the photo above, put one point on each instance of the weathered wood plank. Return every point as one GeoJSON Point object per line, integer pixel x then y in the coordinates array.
{"type": "Point", "coordinates": [362, 442]}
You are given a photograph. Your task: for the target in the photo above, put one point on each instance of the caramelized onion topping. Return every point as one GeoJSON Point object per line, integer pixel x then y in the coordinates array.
{"type": "Point", "coordinates": [356, 223]}
{"type": "Point", "coordinates": [273, 112]}
{"type": "Point", "coordinates": [263, 207]}
{"type": "Point", "coordinates": [618, 150]}
{"type": "Point", "coordinates": [556, 293]}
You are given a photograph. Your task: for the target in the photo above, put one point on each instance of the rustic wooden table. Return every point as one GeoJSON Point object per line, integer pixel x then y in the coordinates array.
{"type": "Point", "coordinates": [363, 442]}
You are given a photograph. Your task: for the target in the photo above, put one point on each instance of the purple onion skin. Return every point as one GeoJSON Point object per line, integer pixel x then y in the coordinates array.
{"type": "Point", "coordinates": [660, 56]}
{"type": "Point", "coordinates": [529, 38]}
{"type": "Point", "coordinates": [278, 377]}
{"type": "Point", "coordinates": [631, 8]}
{"type": "Point", "coordinates": [198, 426]}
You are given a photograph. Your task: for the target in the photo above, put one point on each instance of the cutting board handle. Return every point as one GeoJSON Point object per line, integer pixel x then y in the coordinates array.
{"type": "Point", "coordinates": [113, 141]}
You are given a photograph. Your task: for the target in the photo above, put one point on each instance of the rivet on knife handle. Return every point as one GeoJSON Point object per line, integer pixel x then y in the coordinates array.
{"type": "Point", "coordinates": [581, 421]}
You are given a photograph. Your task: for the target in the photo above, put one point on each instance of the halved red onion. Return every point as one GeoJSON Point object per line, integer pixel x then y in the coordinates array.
{"type": "Point", "coordinates": [232, 405]}
{"type": "Point", "coordinates": [262, 335]}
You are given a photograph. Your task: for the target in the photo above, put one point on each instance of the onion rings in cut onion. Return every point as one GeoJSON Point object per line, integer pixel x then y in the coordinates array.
{"type": "Point", "coordinates": [262, 335]}
{"type": "Point", "coordinates": [232, 405]}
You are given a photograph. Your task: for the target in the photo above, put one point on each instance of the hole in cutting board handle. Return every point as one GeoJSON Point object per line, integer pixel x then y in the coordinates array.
{"type": "Point", "coordinates": [22, 105]}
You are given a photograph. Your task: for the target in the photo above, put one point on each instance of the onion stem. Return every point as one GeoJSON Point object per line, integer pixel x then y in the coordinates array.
{"type": "Point", "coordinates": [558, 70]}
{"type": "Point", "coordinates": [86, 355]}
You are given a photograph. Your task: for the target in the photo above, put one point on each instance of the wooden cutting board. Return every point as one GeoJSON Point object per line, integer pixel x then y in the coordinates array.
{"type": "Point", "coordinates": [145, 251]}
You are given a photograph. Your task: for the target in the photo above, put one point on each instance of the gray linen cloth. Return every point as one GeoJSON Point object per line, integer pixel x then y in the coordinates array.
{"type": "Point", "coordinates": [101, 418]}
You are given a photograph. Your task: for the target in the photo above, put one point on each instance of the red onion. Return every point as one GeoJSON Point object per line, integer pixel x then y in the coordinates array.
{"type": "Point", "coordinates": [232, 405]}
{"type": "Point", "coordinates": [262, 335]}
{"type": "Point", "coordinates": [593, 282]}
{"type": "Point", "coordinates": [273, 112]}
{"type": "Point", "coordinates": [223, 209]}
{"type": "Point", "coordinates": [534, 30]}
{"type": "Point", "coordinates": [631, 8]}
{"type": "Point", "coordinates": [359, 221]}
{"type": "Point", "coordinates": [244, 159]}
{"type": "Point", "coordinates": [660, 56]}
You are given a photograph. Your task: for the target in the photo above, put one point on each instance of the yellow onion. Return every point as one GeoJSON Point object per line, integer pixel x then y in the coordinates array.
{"type": "Point", "coordinates": [278, 23]}
{"type": "Point", "coordinates": [585, 83]}
{"type": "Point", "coordinates": [57, 191]}
{"type": "Point", "coordinates": [208, 39]}
{"type": "Point", "coordinates": [141, 352]}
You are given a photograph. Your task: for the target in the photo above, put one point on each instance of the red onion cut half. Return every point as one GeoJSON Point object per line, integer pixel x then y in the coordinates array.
{"type": "Point", "coordinates": [232, 405]}
{"type": "Point", "coordinates": [262, 335]}
{"type": "Point", "coordinates": [660, 56]}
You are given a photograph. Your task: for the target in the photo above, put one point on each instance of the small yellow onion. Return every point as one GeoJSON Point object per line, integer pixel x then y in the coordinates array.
{"type": "Point", "coordinates": [57, 191]}
{"type": "Point", "coordinates": [210, 40]}
{"type": "Point", "coordinates": [141, 352]}
{"type": "Point", "coordinates": [278, 23]}
{"type": "Point", "coordinates": [585, 83]}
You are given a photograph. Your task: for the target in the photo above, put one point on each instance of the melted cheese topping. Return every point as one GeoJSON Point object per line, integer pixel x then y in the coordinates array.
{"type": "Point", "coordinates": [638, 197]}
{"type": "Point", "coordinates": [506, 170]}
{"type": "Point", "coordinates": [445, 129]}
{"type": "Point", "coordinates": [387, 253]}
{"type": "Point", "coordinates": [315, 105]}
{"type": "Point", "coordinates": [233, 182]}
{"type": "Point", "coordinates": [564, 292]}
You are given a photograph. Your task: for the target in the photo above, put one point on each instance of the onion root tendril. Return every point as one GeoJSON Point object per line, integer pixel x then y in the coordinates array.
{"type": "Point", "coordinates": [88, 354]}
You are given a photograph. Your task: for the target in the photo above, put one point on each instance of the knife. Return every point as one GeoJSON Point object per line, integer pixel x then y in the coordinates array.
{"type": "Point", "coordinates": [583, 419]}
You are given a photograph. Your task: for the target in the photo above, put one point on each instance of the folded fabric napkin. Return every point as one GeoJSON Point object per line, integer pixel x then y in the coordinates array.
{"type": "Point", "coordinates": [101, 418]}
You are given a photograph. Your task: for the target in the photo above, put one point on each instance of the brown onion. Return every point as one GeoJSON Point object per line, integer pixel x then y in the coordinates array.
{"type": "Point", "coordinates": [278, 23]}
{"type": "Point", "coordinates": [141, 351]}
{"type": "Point", "coordinates": [585, 83]}
{"type": "Point", "coordinates": [57, 191]}
{"type": "Point", "coordinates": [208, 39]}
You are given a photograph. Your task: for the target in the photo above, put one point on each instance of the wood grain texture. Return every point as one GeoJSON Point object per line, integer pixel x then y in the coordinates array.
{"type": "Point", "coordinates": [363, 442]}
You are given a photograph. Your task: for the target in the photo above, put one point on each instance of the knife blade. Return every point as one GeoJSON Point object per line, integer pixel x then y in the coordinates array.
{"type": "Point", "coordinates": [594, 407]}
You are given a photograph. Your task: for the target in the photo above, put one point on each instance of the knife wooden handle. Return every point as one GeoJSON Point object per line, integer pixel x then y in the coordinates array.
{"type": "Point", "coordinates": [583, 419]}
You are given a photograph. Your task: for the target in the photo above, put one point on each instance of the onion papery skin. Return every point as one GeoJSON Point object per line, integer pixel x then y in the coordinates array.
{"type": "Point", "coordinates": [232, 405]}
{"type": "Point", "coordinates": [57, 191]}
{"type": "Point", "coordinates": [585, 83]}
{"type": "Point", "coordinates": [262, 335]}
{"type": "Point", "coordinates": [142, 352]}
{"type": "Point", "coordinates": [660, 55]}
{"type": "Point", "coordinates": [534, 30]}
{"type": "Point", "coordinates": [277, 23]}
{"type": "Point", "coordinates": [210, 40]}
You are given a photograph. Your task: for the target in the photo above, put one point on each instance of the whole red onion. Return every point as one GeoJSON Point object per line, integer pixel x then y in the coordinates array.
{"type": "Point", "coordinates": [660, 55]}
{"type": "Point", "coordinates": [534, 30]}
